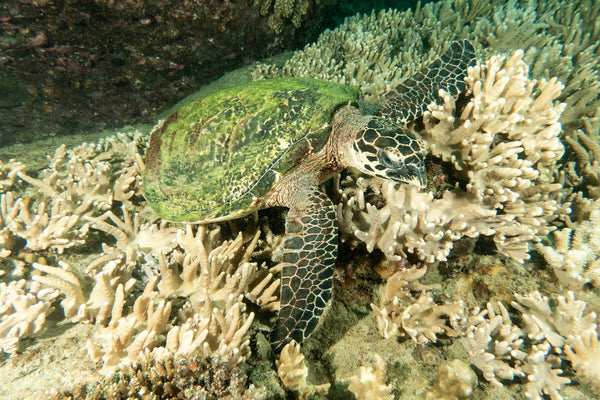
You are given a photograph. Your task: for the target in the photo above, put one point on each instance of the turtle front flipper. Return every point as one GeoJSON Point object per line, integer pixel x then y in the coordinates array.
{"type": "Point", "coordinates": [448, 72]}
{"type": "Point", "coordinates": [310, 251]}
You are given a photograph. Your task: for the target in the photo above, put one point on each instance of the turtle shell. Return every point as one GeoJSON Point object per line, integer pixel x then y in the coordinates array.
{"type": "Point", "coordinates": [218, 157]}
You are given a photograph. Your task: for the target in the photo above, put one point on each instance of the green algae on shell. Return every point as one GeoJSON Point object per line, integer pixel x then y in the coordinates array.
{"type": "Point", "coordinates": [216, 158]}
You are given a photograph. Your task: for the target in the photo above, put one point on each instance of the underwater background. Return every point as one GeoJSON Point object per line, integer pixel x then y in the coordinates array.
{"type": "Point", "coordinates": [484, 285]}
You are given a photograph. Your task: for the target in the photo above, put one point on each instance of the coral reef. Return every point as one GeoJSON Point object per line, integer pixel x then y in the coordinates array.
{"type": "Point", "coordinates": [504, 148]}
{"type": "Point", "coordinates": [125, 290]}
{"type": "Point", "coordinates": [377, 51]}
{"type": "Point", "coordinates": [494, 343]}
{"type": "Point", "coordinates": [176, 310]}
{"type": "Point", "coordinates": [169, 379]}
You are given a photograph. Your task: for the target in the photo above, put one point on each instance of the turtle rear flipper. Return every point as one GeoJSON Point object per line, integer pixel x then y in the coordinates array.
{"type": "Point", "coordinates": [310, 251]}
{"type": "Point", "coordinates": [417, 92]}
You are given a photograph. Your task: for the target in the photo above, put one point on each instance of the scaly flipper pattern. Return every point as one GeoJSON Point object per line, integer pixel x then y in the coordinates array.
{"type": "Point", "coordinates": [414, 94]}
{"type": "Point", "coordinates": [310, 251]}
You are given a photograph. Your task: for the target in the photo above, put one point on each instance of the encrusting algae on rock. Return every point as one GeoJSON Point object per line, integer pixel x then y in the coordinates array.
{"type": "Point", "coordinates": [511, 165]}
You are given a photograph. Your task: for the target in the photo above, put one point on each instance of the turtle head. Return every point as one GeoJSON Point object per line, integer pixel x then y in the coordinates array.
{"type": "Point", "coordinates": [383, 149]}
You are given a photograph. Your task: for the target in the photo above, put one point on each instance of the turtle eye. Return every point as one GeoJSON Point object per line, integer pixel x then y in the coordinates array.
{"type": "Point", "coordinates": [388, 158]}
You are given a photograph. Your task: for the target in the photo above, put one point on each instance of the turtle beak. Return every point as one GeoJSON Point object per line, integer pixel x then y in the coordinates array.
{"type": "Point", "coordinates": [410, 170]}
{"type": "Point", "coordinates": [416, 178]}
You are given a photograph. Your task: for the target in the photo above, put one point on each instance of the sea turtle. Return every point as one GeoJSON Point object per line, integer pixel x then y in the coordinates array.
{"type": "Point", "coordinates": [272, 143]}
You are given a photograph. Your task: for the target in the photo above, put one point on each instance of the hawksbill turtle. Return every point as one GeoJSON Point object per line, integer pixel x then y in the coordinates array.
{"type": "Point", "coordinates": [272, 143]}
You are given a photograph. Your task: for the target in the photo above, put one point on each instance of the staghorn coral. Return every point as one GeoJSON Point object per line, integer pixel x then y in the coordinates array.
{"type": "Point", "coordinates": [584, 353]}
{"type": "Point", "coordinates": [499, 346]}
{"type": "Point", "coordinates": [91, 176]}
{"type": "Point", "coordinates": [215, 332]}
{"type": "Point", "coordinates": [494, 344]}
{"type": "Point", "coordinates": [552, 334]}
{"type": "Point", "coordinates": [216, 269]}
{"type": "Point", "coordinates": [543, 324]}
{"type": "Point", "coordinates": [78, 183]}
{"type": "Point", "coordinates": [585, 171]}
{"type": "Point", "coordinates": [127, 339]}
{"type": "Point", "coordinates": [502, 350]}
{"type": "Point", "coordinates": [543, 373]}
{"type": "Point", "coordinates": [8, 172]}
{"type": "Point", "coordinates": [87, 299]}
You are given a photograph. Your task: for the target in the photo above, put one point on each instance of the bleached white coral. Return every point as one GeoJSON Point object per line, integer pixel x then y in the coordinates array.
{"type": "Point", "coordinates": [22, 312]}
{"type": "Point", "coordinates": [575, 255]}
{"type": "Point", "coordinates": [87, 299]}
{"type": "Point", "coordinates": [494, 345]}
{"type": "Point", "coordinates": [293, 373]}
{"type": "Point", "coordinates": [505, 148]}
{"type": "Point", "coordinates": [134, 240]}
{"type": "Point", "coordinates": [370, 383]}
{"type": "Point", "coordinates": [455, 380]}
{"type": "Point", "coordinates": [544, 324]}
{"type": "Point", "coordinates": [216, 332]}
{"type": "Point", "coordinates": [543, 373]}
{"type": "Point", "coordinates": [8, 172]}
{"type": "Point", "coordinates": [78, 183]}
{"type": "Point", "coordinates": [419, 318]}
{"type": "Point", "coordinates": [127, 339]}
{"type": "Point", "coordinates": [221, 268]}
{"type": "Point", "coordinates": [583, 351]}
{"type": "Point", "coordinates": [90, 176]}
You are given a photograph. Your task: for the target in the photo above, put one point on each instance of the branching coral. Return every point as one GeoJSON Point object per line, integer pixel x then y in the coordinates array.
{"type": "Point", "coordinates": [455, 381]}
{"type": "Point", "coordinates": [370, 383]}
{"type": "Point", "coordinates": [505, 149]}
{"type": "Point", "coordinates": [542, 323]}
{"type": "Point", "coordinates": [378, 51]}
{"type": "Point", "coordinates": [584, 354]}
{"type": "Point", "coordinates": [575, 254]}
{"type": "Point", "coordinates": [421, 319]}
{"type": "Point", "coordinates": [494, 345]}
{"type": "Point", "coordinates": [80, 182]}
{"type": "Point", "coordinates": [215, 332]}
{"type": "Point", "coordinates": [584, 143]}
{"type": "Point", "coordinates": [22, 312]}
{"type": "Point", "coordinates": [87, 299]}
{"type": "Point", "coordinates": [216, 269]}
{"type": "Point", "coordinates": [293, 373]}
{"type": "Point", "coordinates": [543, 373]}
